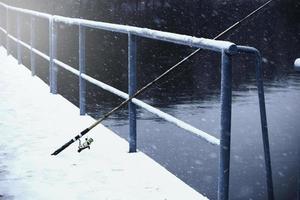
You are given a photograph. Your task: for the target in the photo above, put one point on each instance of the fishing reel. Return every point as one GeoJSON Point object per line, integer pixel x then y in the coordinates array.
{"type": "Point", "coordinates": [85, 145]}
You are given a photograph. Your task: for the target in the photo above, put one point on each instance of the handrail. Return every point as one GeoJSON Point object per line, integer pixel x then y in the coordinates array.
{"type": "Point", "coordinates": [227, 49]}
{"type": "Point", "coordinates": [208, 137]}
{"type": "Point", "coordinates": [209, 44]}
{"type": "Point", "coordinates": [263, 114]}
{"type": "Point", "coordinates": [26, 11]}
{"type": "Point", "coordinates": [43, 55]}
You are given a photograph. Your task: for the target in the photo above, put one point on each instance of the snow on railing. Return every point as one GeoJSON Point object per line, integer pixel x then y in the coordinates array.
{"type": "Point", "coordinates": [203, 43]}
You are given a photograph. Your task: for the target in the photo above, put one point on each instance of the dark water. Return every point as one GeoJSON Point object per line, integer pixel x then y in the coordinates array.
{"type": "Point", "coordinates": [191, 93]}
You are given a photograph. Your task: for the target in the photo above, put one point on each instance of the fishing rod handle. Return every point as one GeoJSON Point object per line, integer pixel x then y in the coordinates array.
{"type": "Point", "coordinates": [85, 131]}
{"type": "Point", "coordinates": [62, 148]}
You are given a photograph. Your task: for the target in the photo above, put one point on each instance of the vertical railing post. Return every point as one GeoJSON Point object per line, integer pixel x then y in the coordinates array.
{"type": "Point", "coordinates": [131, 91]}
{"type": "Point", "coordinates": [19, 50]}
{"type": "Point", "coordinates": [298, 194]}
{"type": "Point", "coordinates": [264, 125]}
{"type": "Point", "coordinates": [7, 32]}
{"type": "Point", "coordinates": [52, 52]}
{"type": "Point", "coordinates": [263, 116]}
{"type": "Point", "coordinates": [32, 45]}
{"type": "Point", "coordinates": [224, 163]}
{"type": "Point", "coordinates": [82, 82]}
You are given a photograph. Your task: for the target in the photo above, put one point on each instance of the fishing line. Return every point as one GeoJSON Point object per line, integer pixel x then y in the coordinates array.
{"type": "Point", "coordinates": [85, 131]}
{"type": "Point", "coordinates": [223, 33]}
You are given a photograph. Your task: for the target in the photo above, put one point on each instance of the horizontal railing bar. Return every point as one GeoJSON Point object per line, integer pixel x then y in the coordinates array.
{"type": "Point", "coordinates": [215, 45]}
{"type": "Point", "coordinates": [43, 55]}
{"type": "Point", "coordinates": [61, 64]}
{"type": "Point", "coordinates": [206, 136]}
{"type": "Point", "coordinates": [26, 11]}
{"type": "Point", "coordinates": [209, 138]}
{"type": "Point", "coordinates": [66, 67]}
{"type": "Point", "coordinates": [209, 44]}
{"type": "Point", "coordinates": [105, 86]}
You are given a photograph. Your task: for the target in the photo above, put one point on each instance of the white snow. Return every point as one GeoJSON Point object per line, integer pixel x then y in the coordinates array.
{"type": "Point", "coordinates": [33, 123]}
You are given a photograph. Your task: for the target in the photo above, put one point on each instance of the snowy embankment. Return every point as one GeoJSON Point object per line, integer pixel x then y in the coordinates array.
{"type": "Point", "coordinates": [33, 123]}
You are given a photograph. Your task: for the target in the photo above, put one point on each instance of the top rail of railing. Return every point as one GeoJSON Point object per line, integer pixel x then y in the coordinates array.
{"type": "Point", "coordinates": [209, 44]}
{"type": "Point", "coordinates": [26, 11]}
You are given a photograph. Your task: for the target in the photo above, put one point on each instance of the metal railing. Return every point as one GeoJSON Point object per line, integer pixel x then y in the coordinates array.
{"type": "Point", "coordinates": [227, 49]}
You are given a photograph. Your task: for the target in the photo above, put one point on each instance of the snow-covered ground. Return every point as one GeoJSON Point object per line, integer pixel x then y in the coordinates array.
{"type": "Point", "coordinates": [33, 123]}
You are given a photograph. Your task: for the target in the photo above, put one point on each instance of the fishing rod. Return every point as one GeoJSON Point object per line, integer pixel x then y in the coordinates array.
{"type": "Point", "coordinates": [85, 131]}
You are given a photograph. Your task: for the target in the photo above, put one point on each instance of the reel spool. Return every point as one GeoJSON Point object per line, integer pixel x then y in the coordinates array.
{"type": "Point", "coordinates": [85, 145]}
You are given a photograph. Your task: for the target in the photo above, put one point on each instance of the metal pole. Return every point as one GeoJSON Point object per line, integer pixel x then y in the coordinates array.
{"type": "Point", "coordinates": [298, 194]}
{"type": "Point", "coordinates": [131, 91]}
{"type": "Point", "coordinates": [264, 125]}
{"type": "Point", "coordinates": [7, 32]}
{"type": "Point", "coordinates": [263, 116]}
{"type": "Point", "coordinates": [19, 50]}
{"type": "Point", "coordinates": [32, 45]}
{"type": "Point", "coordinates": [52, 52]}
{"type": "Point", "coordinates": [82, 82]}
{"type": "Point", "coordinates": [224, 163]}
